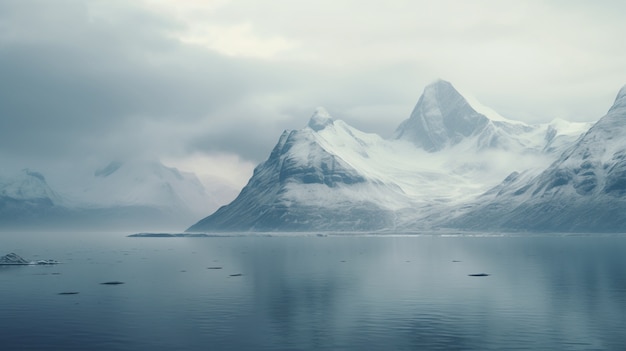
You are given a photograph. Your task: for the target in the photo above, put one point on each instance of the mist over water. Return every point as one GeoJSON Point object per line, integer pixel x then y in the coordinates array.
{"type": "Point", "coordinates": [335, 292]}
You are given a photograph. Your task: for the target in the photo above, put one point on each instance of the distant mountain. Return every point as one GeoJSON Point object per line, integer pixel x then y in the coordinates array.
{"type": "Point", "coordinates": [30, 186]}
{"type": "Point", "coordinates": [141, 183]}
{"type": "Point", "coordinates": [118, 196]}
{"type": "Point", "coordinates": [27, 197]}
{"type": "Point", "coordinates": [584, 190]}
{"type": "Point", "coordinates": [443, 118]}
{"type": "Point", "coordinates": [330, 176]}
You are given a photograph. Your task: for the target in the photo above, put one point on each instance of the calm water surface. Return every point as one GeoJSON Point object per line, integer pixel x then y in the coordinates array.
{"type": "Point", "coordinates": [314, 293]}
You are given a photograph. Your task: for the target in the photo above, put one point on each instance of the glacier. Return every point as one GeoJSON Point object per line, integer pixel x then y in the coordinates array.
{"type": "Point", "coordinates": [329, 176]}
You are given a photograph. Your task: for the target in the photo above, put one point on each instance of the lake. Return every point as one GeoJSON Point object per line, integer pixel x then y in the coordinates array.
{"type": "Point", "coordinates": [293, 292]}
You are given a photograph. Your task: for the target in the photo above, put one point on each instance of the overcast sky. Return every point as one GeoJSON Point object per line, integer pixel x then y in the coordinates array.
{"type": "Point", "coordinates": [210, 85]}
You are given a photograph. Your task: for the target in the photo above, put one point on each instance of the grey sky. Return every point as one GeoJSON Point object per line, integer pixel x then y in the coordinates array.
{"type": "Point", "coordinates": [210, 85]}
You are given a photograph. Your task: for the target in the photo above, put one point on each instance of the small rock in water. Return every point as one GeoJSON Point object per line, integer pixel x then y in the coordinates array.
{"type": "Point", "coordinates": [214, 267]}
{"type": "Point", "coordinates": [112, 283]}
{"type": "Point", "coordinates": [45, 262]}
{"type": "Point", "coordinates": [236, 275]}
{"type": "Point", "coordinates": [11, 259]}
{"type": "Point", "coordinates": [14, 259]}
{"type": "Point", "coordinates": [68, 293]}
{"type": "Point", "coordinates": [478, 275]}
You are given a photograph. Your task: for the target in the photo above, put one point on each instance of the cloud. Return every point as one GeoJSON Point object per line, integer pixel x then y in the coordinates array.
{"type": "Point", "coordinates": [169, 79]}
{"type": "Point", "coordinates": [119, 84]}
{"type": "Point", "coordinates": [236, 40]}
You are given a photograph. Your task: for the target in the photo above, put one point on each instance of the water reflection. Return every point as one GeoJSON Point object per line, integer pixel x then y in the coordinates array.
{"type": "Point", "coordinates": [400, 293]}
{"type": "Point", "coordinates": [407, 293]}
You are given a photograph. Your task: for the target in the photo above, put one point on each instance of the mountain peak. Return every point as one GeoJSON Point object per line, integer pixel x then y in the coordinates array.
{"type": "Point", "coordinates": [441, 92]}
{"type": "Point", "coordinates": [620, 99]}
{"type": "Point", "coordinates": [439, 84]}
{"type": "Point", "coordinates": [320, 119]}
{"type": "Point", "coordinates": [442, 117]}
{"type": "Point", "coordinates": [622, 93]}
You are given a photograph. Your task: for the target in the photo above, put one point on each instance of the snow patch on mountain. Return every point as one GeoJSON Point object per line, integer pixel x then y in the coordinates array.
{"type": "Point", "coordinates": [486, 111]}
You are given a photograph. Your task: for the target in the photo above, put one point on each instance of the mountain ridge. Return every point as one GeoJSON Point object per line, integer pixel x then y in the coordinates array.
{"type": "Point", "coordinates": [330, 176]}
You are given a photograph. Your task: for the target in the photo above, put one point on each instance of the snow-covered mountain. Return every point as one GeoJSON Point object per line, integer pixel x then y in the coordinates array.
{"type": "Point", "coordinates": [443, 118]}
{"type": "Point", "coordinates": [443, 168]}
{"type": "Point", "coordinates": [305, 183]}
{"type": "Point", "coordinates": [583, 190]}
{"type": "Point", "coordinates": [330, 176]}
{"type": "Point", "coordinates": [26, 196]}
{"type": "Point", "coordinates": [140, 183]}
{"type": "Point", "coordinates": [121, 195]}
{"type": "Point", "coordinates": [30, 186]}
